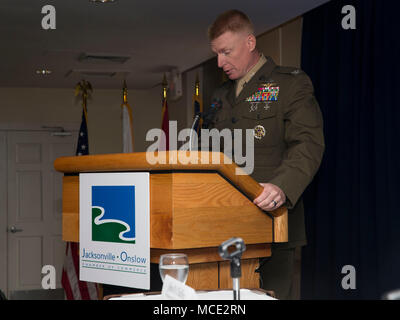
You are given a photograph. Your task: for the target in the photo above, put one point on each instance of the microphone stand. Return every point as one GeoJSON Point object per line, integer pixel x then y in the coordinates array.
{"type": "Point", "coordinates": [196, 119]}
{"type": "Point", "coordinates": [234, 257]}
{"type": "Point", "coordinates": [207, 117]}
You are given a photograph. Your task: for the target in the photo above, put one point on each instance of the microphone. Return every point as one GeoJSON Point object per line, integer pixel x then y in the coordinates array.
{"type": "Point", "coordinates": [196, 119]}
{"type": "Point", "coordinates": [207, 116]}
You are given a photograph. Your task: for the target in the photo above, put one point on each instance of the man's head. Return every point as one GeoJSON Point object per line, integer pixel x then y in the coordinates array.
{"type": "Point", "coordinates": [232, 39]}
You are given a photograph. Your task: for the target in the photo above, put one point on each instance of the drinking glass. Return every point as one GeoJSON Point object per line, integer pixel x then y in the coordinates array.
{"type": "Point", "coordinates": [175, 265]}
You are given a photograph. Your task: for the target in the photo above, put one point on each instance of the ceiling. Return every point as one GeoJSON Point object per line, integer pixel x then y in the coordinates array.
{"type": "Point", "coordinates": [156, 36]}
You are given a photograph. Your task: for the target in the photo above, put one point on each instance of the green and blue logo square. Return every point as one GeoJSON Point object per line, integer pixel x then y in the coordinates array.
{"type": "Point", "coordinates": [113, 214]}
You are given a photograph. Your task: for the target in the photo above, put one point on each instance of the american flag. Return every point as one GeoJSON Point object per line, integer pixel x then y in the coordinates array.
{"type": "Point", "coordinates": [75, 289]}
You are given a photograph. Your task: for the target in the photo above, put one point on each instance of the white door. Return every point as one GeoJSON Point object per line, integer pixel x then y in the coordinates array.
{"type": "Point", "coordinates": [34, 209]}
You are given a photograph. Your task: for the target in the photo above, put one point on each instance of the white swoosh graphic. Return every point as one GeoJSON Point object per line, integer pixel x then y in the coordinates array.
{"type": "Point", "coordinates": [121, 235]}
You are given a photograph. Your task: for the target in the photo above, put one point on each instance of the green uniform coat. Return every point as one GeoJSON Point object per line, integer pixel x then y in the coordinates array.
{"type": "Point", "coordinates": [290, 151]}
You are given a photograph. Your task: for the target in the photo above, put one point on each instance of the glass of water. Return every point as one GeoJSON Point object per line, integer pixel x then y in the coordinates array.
{"type": "Point", "coordinates": [176, 265]}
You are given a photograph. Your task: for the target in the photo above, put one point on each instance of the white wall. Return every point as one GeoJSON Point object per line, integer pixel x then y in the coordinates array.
{"type": "Point", "coordinates": [41, 106]}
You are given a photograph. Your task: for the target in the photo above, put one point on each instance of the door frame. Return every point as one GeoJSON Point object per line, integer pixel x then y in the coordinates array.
{"type": "Point", "coordinates": [4, 129]}
{"type": "Point", "coordinates": [3, 213]}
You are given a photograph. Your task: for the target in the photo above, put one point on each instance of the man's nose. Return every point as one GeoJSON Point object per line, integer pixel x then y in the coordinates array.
{"type": "Point", "coordinates": [221, 61]}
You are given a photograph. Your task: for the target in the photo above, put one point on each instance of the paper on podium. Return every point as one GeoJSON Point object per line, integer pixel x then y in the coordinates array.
{"type": "Point", "coordinates": [175, 290]}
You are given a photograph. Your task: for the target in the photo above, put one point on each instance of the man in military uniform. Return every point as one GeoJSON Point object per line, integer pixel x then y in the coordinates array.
{"type": "Point", "coordinates": [279, 105]}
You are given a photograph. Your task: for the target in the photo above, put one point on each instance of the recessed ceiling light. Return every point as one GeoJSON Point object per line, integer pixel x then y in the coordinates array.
{"type": "Point", "coordinates": [102, 1]}
{"type": "Point", "coordinates": [43, 72]}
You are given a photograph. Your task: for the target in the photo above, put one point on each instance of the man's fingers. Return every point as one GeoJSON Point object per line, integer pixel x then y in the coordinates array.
{"type": "Point", "coordinates": [271, 198]}
{"type": "Point", "coordinates": [264, 195]}
{"type": "Point", "coordinates": [272, 195]}
{"type": "Point", "coordinates": [269, 204]}
{"type": "Point", "coordinates": [261, 198]}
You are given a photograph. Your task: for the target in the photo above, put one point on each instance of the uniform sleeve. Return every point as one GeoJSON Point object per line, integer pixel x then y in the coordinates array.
{"type": "Point", "coordinates": [304, 139]}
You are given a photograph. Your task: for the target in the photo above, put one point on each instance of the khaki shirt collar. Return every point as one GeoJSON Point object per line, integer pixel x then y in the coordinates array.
{"type": "Point", "coordinates": [240, 83]}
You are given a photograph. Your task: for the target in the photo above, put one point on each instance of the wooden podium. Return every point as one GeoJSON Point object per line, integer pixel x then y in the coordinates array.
{"type": "Point", "coordinates": [194, 207]}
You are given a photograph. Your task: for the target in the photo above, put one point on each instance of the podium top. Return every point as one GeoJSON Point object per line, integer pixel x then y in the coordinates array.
{"type": "Point", "coordinates": [165, 161]}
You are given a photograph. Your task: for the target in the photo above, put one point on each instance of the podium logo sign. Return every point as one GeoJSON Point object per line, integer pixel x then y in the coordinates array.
{"type": "Point", "coordinates": [113, 214]}
{"type": "Point", "coordinates": [114, 228]}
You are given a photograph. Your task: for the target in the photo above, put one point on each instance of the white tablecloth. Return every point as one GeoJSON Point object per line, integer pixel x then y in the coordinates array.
{"type": "Point", "coordinates": [245, 294]}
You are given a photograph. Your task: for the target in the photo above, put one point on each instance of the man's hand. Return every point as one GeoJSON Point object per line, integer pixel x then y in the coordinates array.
{"type": "Point", "coordinates": [271, 198]}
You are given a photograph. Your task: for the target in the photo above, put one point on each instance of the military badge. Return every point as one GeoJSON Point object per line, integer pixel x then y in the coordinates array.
{"type": "Point", "coordinates": [259, 132]}
{"type": "Point", "coordinates": [253, 106]}
{"type": "Point", "coordinates": [267, 105]}
{"type": "Point", "coordinates": [264, 93]}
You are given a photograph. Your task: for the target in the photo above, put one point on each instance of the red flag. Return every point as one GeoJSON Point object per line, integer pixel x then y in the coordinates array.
{"type": "Point", "coordinates": [165, 126]}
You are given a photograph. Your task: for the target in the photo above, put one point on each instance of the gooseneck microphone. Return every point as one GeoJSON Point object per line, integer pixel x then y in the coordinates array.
{"type": "Point", "coordinates": [207, 117]}
{"type": "Point", "coordinates": [195, 120]}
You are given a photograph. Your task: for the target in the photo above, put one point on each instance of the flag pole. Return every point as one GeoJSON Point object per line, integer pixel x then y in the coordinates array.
{"type": "Point", "coordinates": [73, 287]}
{"type": "Point", "coordinates": [164, 143]}
{"type": "Point", "coordinates": [127, 122]}
{"type": "Point", "coordinates": [197, 103]}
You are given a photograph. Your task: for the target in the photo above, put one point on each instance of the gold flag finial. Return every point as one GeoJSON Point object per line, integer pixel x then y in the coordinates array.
{"type": "Point", "coordinates": [124, 93]}
{"type": "Point", "coordinates": [197, 86]}
{"type": "Point", "coordinates": [84, 89]}
{"type": "Point", "coordinates": [165, 87]}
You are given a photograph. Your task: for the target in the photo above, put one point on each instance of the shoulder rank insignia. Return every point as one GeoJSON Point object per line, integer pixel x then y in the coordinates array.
{"type": "Point", "coordinates": [264, 93]}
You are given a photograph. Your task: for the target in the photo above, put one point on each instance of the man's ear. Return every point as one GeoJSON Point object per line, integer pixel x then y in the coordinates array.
{"type": "Point", "coordinates": [251, 42]}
